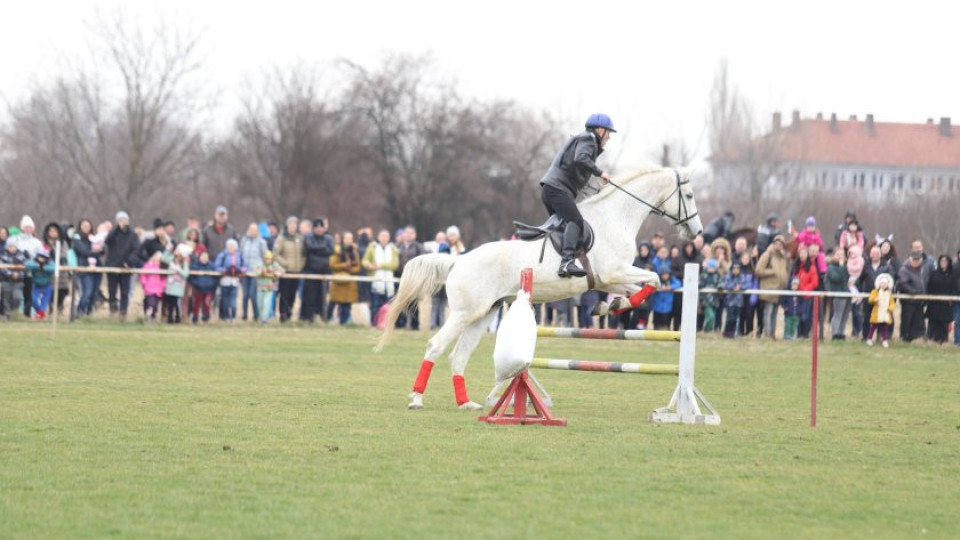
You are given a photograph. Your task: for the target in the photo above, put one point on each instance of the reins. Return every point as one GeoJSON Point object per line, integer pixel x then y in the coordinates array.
{"type": "Point", "coordinates": [681, 205]}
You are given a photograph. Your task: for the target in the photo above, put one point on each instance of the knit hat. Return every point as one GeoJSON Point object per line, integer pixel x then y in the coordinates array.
{"type": "Point", "coordinates": [811, 221]}
{"type": "Point", "coordinates": [712, 263]}
{"type": "Point", "coordinates": [319, 222]}
{"type": "Point", "coordinates": [268, 255]}
{"type": "Point", "coordinates": [42, 252]}
{"type": "Point", "coordinates": [26, 221]}
{"type": "Point", "coordinates": [882, 277]}
{"type": "Point", "coordinates": [121, 215]}
{"type": "Point", "coordinates": [780, 238]}
{"type": "Point", "coordinates": [157, 223]}
{"type": "Point", "coordinates": [292, 219]}
{"type": "Point", "coordinates": [453, 229]}
{"type": "Point", "coordinates": [222, 209]}
{"type": "Point", "coordinates": [232, 242]}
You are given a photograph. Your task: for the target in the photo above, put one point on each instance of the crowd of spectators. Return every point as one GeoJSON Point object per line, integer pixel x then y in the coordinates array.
{"type": "Point", "coordinates": [189, 273]}
{"type": "Point", "coordinates": [194, 272]}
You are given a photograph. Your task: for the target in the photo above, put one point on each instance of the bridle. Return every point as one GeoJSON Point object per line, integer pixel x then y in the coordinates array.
{"type": "Point", "coordinates": [658, 210]}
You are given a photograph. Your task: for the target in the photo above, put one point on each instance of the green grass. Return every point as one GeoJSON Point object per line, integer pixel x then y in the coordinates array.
{"type": "Point", "coordinates": [227, 432]}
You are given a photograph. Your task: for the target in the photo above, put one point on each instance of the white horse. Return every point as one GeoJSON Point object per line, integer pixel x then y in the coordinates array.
{"type": "Point", "coordinates": [480, 279]}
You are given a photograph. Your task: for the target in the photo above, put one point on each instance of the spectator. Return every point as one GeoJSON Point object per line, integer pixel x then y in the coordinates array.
{"type": "Point", "coordinates": [289, 253]}
{"type": "Point", "coordinates": [644, 258]}
{"type": "Point", "coordinates": [733, 283]}
{"type": "Point", "coordinates": [381, 259]}
{"type": "Point", "coordinates": [855, 265]}
{"type": "Point", "coordinates": [749, 308]}
{"type": "Point", "coordinates": [847, 218]}
{"type": "Point", "coordinates": [852, 236]}
{"type": "Point", "coordinates": [28, 245]}
{"type": "Point", "coordinates": [41, 270]}
{"type": "Point", "coordinates": [231, 264]}
{"type": "Point", "coordinates": [710, 279]}
{"type": "Point", "coordinates": [53, 235]}
{"type": "Point", "coordinates": [268, 275]}
{"type": "Point", "coordinates": [792, 310]}
{"type": "Point", "coordinates": [218, 231]}
{"type": "Point", "coordinates": [318, 248]}
{"type": "Point", "coordinates": [664, 298]}
{"type": "Point", "coordinates": [11, 281]}
{"type": "Point", "coordinates": [662, 261]}
{"type": "Point", "coordinates": [912, 281]}
{"type": "Point", "coordinates": [192, 239]}
{"type": "Point", "coordinates": [888, 256]}
{"type": "Point", "coordinates": [345, 261]}
{"type": "Point", "coordinates": [364, 238]}
{"type": "Point", "coordinates": [193, 222]}
{"type": "Point", "coordinates": [719, 228]}
{"type": "Point", "coordinates": [772, 270]}
{"type": "Point", "coordinates": [956, 305]}
{"type": "Point", "coordinates": [122, 246]}
{"type": "Point", "coordinates": [942, 283]}
{"type": "Point", "coordinates": [806, 269]}
{"type": "Point", "coordinates": [153, 286]}
{"type": "Point", "coordinates": [810, 236]}
{"type": "Point", "coordinates": [89, 254]}
{"type": "Point", "coordinates": [881, 316]}
{"type": "Point", "coordinates": [252, 249]}
{"type": "Point", "coordinates": [720, 252]}
{"type": "Point", "coordinates": [740, 247]}
{"type": "Point", "coordinates": [273, 230]}
{"type": "Point", "coordinates": [203, 286]}
{"type": "Point", "coordinates": [928, 265]}
{"type": "Point", "coordinates": [454, 241]}
{"type": "Point", "coordinates": [868, 277]}
{"type": "Point", "coordinates": [838, 281]}
{"type": "Point", "coordinates": [408, 249]}
{"type": "Point", "coordinates": [153, 243]}
{"type": "Point", "coordinates": [766, 232]}
{"type": "Point", "coordinates": [178, 262]}
{"type": "Point", "coordinates": [4, 235]}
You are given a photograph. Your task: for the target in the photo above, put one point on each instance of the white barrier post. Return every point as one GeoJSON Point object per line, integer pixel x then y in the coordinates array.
{"type": "Point", "coordinates": [684, 407]}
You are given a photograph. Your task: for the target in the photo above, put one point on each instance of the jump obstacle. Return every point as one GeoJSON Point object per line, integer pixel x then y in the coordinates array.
{"type": "Point", "coordinates": [685, 404]}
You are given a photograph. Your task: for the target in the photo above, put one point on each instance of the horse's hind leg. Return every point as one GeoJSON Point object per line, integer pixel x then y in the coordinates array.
{"type": "Point", "coordinates": [435, 347]}
{"type": "Point", "coordinates": [461, 355]}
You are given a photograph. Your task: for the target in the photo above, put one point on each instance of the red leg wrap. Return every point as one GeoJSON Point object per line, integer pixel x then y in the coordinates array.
{"type": "Point", "coordinates": [420, 385]}
{"type": "Point", "coordinates": [637, 298]}
{"type": "Point", "coordinates": [460, 389]}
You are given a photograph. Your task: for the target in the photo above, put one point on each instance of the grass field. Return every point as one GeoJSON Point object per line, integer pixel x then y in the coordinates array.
{"type": "Point", "coordinates": [137, 432]}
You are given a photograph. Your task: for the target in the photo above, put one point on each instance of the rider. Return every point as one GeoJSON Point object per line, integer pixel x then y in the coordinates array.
{"type": "Point", "coordinates": [570, 171]}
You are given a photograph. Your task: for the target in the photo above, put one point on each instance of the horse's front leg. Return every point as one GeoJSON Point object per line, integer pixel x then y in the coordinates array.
{"type": "Point", "coordinates": [635, 284]}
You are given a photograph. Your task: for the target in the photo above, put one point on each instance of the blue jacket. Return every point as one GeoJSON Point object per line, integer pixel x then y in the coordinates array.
{"type": "Point", "coordinates": [203, 283]}
{"type": "Point", "coordinates": [663, 300]}
{"type": "Point", "coordinates": [230, 266]}
{"type": "Point", "coordinates": [661, 265]}
{"type": "Point", "coordinates": [790, 305]}
{"type": "Point", "coordinates": [729, 283]}
{"type": "Point", "coordinates": [42, 276]}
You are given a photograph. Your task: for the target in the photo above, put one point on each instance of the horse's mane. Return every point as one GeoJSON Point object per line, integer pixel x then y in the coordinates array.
{"type": "Point", "coordinates": [621, 180]}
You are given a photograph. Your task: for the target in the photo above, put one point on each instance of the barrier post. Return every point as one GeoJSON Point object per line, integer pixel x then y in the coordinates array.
{"type": "Point", "coordinates": [813, 364]}
{"type": "Point", "coordinates": [684, 406]}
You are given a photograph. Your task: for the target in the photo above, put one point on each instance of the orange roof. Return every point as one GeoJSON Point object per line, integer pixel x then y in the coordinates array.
{"type": "Point", "coordinates": [890, 144]}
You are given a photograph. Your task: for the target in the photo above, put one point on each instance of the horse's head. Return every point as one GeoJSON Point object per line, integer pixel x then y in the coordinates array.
{"type": "Point", "coordinates": [681, 208]}
{"type": "Point", "coordinates": [665, 192]}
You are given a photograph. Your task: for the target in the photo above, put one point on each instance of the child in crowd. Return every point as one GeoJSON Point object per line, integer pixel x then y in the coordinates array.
{"type": "Point", "coordinates": [203, 286]}
{"type": "Point", "coordinates": [231, 264]}
{"type": "Point", "coordinates": [810, 236]}
{"type": "Point", "coordinates": [881, 316]}
{"type": "Point", "coordinates": [179, 264]}
{"type": "Point", "coordinates": [805, 270]}
{"type": "Point", "coordinates": [664, 298]}
{"type": "Point", "coordinates": [153, 286]}
{"type": "Point", "coordinates": [855, 263]}
{"type": "Point", "coordinates": [838, 281]}
{"type": "Point", "coordinates": [791, 311]}
{"type": "Point", "coordinates": [733, 282]}
{"type": "Point", "coordinates": [268, 274]}
{"type": "Point", "coordinates": [41, 269]}
{"type": "Point", "coordinates": [750, 281]}
{"type": "Point", "coordinates": [11, 281]}
{"type": "Point", "coordinates": [852, 236]}
{"type": "Point", "coordinates": [710, 279]}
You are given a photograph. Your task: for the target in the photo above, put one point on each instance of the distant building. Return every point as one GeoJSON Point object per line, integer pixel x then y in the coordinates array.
{"type": "Point", "coordinates": [881, 161]}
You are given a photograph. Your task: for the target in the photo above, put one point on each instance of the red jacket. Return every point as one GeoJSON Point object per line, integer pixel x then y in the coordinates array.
{"type": "Point", "coordinates": [809, 279]}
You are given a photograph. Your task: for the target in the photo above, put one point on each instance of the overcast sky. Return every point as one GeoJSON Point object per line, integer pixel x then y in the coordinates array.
{"type": "Point", "coordinates": [650, 65]}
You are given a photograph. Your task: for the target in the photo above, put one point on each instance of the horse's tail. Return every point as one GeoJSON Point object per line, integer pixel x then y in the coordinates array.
{"type": "Point", "coordinates": [422, 276]}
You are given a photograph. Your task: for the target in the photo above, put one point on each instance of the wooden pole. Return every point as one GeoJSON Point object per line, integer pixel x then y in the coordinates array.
{"type": "Point", "coordinates": [56, 288]}
{"type": "Point", "coordinates": [813, 363]}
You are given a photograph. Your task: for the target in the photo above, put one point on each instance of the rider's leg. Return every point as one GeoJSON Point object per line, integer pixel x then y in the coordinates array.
{"type": "Point", "coordinates": [560, 202]}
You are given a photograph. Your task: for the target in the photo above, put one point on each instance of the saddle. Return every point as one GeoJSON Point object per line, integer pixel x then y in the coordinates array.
{"type": "Point", "coordinates": [553, 229]}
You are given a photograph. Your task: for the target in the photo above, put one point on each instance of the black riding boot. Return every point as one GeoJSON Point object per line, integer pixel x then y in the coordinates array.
{"type": "Point", "coordinates": [568, 265]}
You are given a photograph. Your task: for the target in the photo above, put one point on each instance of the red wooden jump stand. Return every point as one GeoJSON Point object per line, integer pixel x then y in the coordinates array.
{"type": "Point", "coordinates": [520, 389]}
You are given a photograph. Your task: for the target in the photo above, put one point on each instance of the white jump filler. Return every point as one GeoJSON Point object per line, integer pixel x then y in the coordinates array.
{"type": "Point", "coordinates": [685, 405]}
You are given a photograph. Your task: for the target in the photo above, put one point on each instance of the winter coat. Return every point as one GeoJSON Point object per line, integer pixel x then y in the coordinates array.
{"type": "Point", "coordinates": [153, 284]}
{"type": "Point", "coordinates": [942, 284]}
{"type": "Point", "coordinates": [267, 276]}
{"type": "Point", "coordinates": [288, 252]}
{"type": "Point", "coordinates": [710, 280]}
{"type": "Point", "coordinates": [232, 266]}
{"type": "Point", "coordinates": [27, 244]}
{"type": "Point", "coordinates": [837, 278]}
{"type": "Point", "coordinates": [807, 238]}
{"type": "Point", "coordinates": [644, 262]}
{"type": "Point", "coordinates": [910, 279]}
{"type": "Point", "coordinates": [83, 248]}
{"type": "Point", "coordinates": [253, 250]}
{"type": "Point", "coordinates": [203, 284]}
{"type": "Point", "coordinates": [408, 252]}
{"type": "Point", "coordinates": [809, 277]}
{"type": "Point", "coordinates": [869, 275]}
{"type": "Point", "coordinates": [663, 299]}
{"type": "Point", "coordinates": [15, 258]}
{"type": "Point", "coordinates": [574, 164]}
{"type": "Point", "coordinates": [122, 246]}
{"type": "Point", "coordinates": [723, 266]}
{"type": "Point", "coordinates": [41, 275]}
{"type": "Point", "coordinates": [662, 265]}
{"type": "Point", "coordinates": [790, 305]}
{"type": "Point", "coordinates": [177, 280]}
{"type": "Point", "coordinates": [388, 258]}
{"type": "Point", "coordinates": [731, 283]}
{"type": "Point", "coordinates": [149, 247]}
{"type": "Point", "coordinates": [215, 238]}
{"type": "Point", "coordinates": [875, 311]}
{"type": "Point", "coordinates": [718, 228]}
{"type": "Point", "coordinates": [344, 292]}
{"type": "Point", "coordinates": [773, 272]}
{"type": "Point", "coordinates": [318, 250]}
{"type": "Point", "coordinates": [855, 263]}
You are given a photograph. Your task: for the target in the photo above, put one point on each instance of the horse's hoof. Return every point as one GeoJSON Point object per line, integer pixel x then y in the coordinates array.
{"type": "Point", "coordinates": [470, 406]}
{"type": "Point", "coordinates": [416, 402]}
{"type": "Point", "coordinates": [601, 309]}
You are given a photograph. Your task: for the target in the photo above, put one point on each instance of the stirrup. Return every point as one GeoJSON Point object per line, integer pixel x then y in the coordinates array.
{"type": "Point", "coordinates": [571, 269]}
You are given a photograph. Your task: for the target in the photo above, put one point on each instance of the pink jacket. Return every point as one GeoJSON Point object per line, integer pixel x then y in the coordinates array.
{"type": "Point", "coordinates": [153, 284]}
{"type": "Point", "coordinates": [848, 239]}
{"type": "Point", "coordinates": [855, 262]}
{"type": "Point", "coordinates": [807, 238]}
